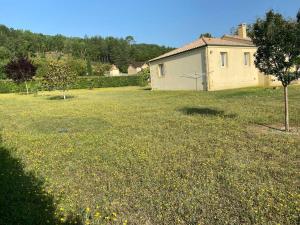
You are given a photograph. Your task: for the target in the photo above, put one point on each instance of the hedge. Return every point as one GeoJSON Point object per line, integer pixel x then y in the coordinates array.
{"type": "Point", "coordinates": [7, 86]}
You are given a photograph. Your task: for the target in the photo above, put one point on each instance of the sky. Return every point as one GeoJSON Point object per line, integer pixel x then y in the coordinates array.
{"type": "Point", "coordinates": [164, 22]}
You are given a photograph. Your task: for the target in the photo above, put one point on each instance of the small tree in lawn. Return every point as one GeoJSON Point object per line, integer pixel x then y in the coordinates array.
{"type": "Point", "coordinates": [278, 42]}
{"type": "Point", "coordinates": [20, 70]}
{"type": "Point", "coordinates": [59, 76]}
{"type": "Point", "coordinates": [89, 69]}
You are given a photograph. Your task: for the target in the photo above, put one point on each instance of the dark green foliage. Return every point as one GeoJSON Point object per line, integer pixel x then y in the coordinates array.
{"type": "Point", "coordinates": [5, 57]}
{"type": "Point", "coordinates": [208, 35]}
{"type": "Point", "coordinates": [145, 52]}
{"type": "Point", "coordinates": [118, 51]}
{"type": "Point", "coordinates": [144, 77]}
{"type": "Point", "coordinates": [77, 66]}
{"type": "Point", "coordinates": [7, 86]}
{"type": "Point", "coordinates": [102, 82]}
{"type": "Point", "coordinates": [41, 64]}
{"type": "Point", "coordinates": [278, 43]}
{"type": "Point", "coordinates": [99, 69]}
{"type": "Point", "coordinates": [89, 69]}
{"type": "Point", "coordinates": [20, 70]}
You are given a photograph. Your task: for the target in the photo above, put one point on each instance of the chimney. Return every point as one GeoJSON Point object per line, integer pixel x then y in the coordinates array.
{"type": "Point", "coordinates": [242, 30]}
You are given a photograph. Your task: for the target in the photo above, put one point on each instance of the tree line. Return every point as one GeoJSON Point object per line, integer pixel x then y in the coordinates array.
{"type": "Point", "coordinates": [118, 51]}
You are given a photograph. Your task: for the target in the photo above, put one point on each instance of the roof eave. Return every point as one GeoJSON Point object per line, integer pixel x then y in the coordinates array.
{"type": "Point", "coordinates": [155, 59]}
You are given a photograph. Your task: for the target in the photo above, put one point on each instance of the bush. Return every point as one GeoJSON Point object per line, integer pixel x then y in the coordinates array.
{"type": "Point", "coordinates": [7, 86]}
{"type": "Point", "coordinates": [2, 72]}
{"type": "Point", "coordinates": [77, 65]}
{"type": "Point", "coordinates": [41, 64]}
{"type": "Point", "coordinates": [144, 77]}
{"type": "Point", "coordinates": [100, 82]}
{"type": "Point", "coordinates": [100, 69]}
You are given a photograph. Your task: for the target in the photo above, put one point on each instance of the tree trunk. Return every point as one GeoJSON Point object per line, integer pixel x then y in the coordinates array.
{"type": "Point", "coordinates": [286, 109]}
{"type": "Point", "coordinates": [27, 92]}
{"type": "Point", "coordinates": [64, 93]}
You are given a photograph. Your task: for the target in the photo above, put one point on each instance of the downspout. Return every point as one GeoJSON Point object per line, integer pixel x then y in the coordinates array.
{"type": "Point", "coordinates": [207, 67]}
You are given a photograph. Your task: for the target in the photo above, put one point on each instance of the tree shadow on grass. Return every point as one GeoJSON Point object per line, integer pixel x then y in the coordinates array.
{"type": "Point", "coordinates": [146, 89]}
{"type": "Point", "coordinates": [205, 112]}
{"type": "Point", "coordinates": [271, 127]}
{"type": "Point", "coordinates": [22, 199]}
{"type": "Point", "coordinates": [59, 97]}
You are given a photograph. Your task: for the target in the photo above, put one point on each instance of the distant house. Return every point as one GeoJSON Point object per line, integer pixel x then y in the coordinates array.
{"type": "Point", "coordinates": [209, 64]}
{"type": "Point", "coordinates": [134, 68]}
{"type": "Point", "coordinates": [114, 71]}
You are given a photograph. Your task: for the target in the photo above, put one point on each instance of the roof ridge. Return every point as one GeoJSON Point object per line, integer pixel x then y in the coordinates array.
{"type": "Point", "coordinates": [204, 40]}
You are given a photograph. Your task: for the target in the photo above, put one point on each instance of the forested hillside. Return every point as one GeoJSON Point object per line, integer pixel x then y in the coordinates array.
{"type": "Point", "coordinates": [119, 51]}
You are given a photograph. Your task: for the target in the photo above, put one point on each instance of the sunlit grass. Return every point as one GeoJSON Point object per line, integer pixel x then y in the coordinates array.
{"type": "Point", "coordinates": [150, 157]}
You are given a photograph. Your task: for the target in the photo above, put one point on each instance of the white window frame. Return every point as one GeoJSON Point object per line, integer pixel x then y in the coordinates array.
{"type": "Point", "coordinates": [246, 58]}
{"type": "Point", "coordinates": [224, 59]}
{"type": "Point", "coordinates": [161, 70]}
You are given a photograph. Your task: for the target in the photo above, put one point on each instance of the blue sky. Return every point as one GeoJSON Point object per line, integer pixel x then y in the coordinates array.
{"type": "Point", "coordinates": [164, 22]}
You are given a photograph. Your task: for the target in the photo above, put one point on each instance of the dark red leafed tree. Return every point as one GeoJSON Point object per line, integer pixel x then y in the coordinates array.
{"type": "Point", "coordinates": [20, 70]}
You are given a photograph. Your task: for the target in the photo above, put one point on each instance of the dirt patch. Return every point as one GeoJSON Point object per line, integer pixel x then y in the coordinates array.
{"type": "Point", "coordinates": [274, 129]}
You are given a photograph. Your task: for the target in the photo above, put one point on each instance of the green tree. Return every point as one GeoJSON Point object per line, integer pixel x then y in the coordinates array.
{"type": "Point", "coordinates": [119, 51]}
{"type": "Point", "coordinates": [20, 70]}
{"type": "Point", "coordinates": [144, 77]}
{"type": "Point", "coordinates": [130, 40]}
{"type": "Point", "coordinates": [4, 59]}
{"type": "Point", "coordinates": [208, 35]}
{"type": "Point", "coordinates": [89, 69]}
{"type": "Point", "coordinates": [278, 42]}
{"type": "Point", "coordinates": [101, 68]}
{"type": "Point", "coordinates": [59, 76]}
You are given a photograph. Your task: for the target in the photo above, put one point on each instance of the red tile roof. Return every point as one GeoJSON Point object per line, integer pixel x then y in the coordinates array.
{"type": "Point", "coordinates": [201, 42]}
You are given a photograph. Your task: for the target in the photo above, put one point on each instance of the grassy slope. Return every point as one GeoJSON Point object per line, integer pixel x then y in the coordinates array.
{"type": "Point", "coordinates": [159, 157]}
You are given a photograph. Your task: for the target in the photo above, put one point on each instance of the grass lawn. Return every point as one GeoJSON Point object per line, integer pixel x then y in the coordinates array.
{"type": "Point", "coordinates": [134, 156]}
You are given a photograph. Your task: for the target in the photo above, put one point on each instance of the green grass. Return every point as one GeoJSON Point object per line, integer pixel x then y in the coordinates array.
{"type": "Point", "coordinates": [149, 157]}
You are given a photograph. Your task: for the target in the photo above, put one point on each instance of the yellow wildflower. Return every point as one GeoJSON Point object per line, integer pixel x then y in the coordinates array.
{"type": "Point", "coordinates": [97, 214]}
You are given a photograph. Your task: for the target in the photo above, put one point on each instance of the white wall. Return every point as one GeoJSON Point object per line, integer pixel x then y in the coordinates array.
{"type": "Point", "coordinates": [180, 71]}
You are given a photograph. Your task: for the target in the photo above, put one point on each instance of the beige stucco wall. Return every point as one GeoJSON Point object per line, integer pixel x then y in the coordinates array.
{"type": "Point", "coordinates": [144, 66]}
{"type": "Point", "coordinates": [131, 70]}
{"type": "Point", "coordinates": [114, 72]}
{"type": "Point", "coordinates": [235, 74]}
{"type": "Point", "coordinates": [180, 71]}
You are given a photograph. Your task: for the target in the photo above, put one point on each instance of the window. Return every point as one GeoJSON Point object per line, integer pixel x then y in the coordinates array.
{"type": "Point", "coordinates": [161, 70]}
{"type": "Point", "coordinates": [224, 60]}
{"type": "Point", "coordinates": [247, 58]}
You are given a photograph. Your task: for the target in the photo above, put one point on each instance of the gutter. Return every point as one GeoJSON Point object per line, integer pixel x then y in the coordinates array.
{"type": "Point", "coordinates": [249, 46]}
